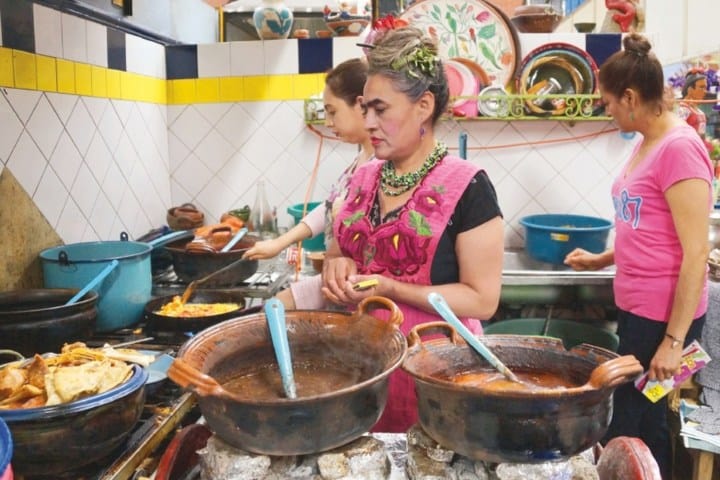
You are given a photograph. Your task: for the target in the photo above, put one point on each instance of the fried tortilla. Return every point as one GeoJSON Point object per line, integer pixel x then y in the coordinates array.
{"type": "Point", "coordinates": [90, 378]}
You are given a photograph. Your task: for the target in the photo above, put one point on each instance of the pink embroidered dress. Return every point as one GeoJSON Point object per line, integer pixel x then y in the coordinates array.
{"type": "Point", "coordinates": [402, 248]}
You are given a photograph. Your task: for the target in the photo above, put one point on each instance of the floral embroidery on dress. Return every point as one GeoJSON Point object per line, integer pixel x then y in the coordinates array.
{"type": "Point", "coordinates": [400, 250]}
{"type": "Point", "coordinates": [399, 245]}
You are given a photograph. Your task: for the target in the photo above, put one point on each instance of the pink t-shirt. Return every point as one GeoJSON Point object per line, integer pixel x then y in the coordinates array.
{"type": "Point", "coordinates": [647, 249]}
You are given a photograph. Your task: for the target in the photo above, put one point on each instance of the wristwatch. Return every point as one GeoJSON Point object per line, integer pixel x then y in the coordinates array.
{"type": "Point", "coordinates": [675, 340]}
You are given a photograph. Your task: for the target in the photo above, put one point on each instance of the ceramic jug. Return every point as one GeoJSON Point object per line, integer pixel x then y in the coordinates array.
{"type": "Point", "coordinates": [273, 19]}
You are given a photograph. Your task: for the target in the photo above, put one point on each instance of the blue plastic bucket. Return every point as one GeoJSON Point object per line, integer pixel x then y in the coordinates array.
{"type": "Point", "coordinates": [550, 237]}
{"type": "Point", "coordinates": [317, 243]}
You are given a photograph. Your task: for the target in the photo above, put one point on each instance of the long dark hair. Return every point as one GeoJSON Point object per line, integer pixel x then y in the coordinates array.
{"type": "Point", "coordinates": [634, 67]}
{"type": "Point", "coordinates": [347, 79]}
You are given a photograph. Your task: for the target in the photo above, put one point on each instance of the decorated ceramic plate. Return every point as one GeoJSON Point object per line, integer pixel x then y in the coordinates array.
{"type": "Point", "coordinates": [461, 83]}
{"type": "Point", "coordinates": [472, 29]}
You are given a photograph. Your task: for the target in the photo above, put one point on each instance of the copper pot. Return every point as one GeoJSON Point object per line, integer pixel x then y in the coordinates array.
{"type": "Point", "coordinates": [517, 426]}
{"type": "Point", "coordinates": [341, 364]}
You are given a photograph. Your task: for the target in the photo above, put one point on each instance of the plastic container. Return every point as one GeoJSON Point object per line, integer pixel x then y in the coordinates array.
{"type": "Point", "coordinates": [317, 243]}
{"type": "Point", "coordinates": [550, 237]}
{"type": "Point", "coordinates": [570, 332]}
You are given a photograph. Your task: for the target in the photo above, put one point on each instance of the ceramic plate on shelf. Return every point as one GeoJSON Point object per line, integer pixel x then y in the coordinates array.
{"type": "Point", "coordinates": [472, 29]}
{"type": "Point", "coordinates": [565, 65]}
{"type": "Point", "coordinates": [578, 57]}
{"type": "Point", "coordinates": [461, 83]}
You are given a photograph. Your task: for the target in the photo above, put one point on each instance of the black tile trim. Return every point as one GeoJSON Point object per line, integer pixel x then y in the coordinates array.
{"type": "Point", "coordinates": [116, 51]}
{"type": "Point", "coordinates": [181, 61]}
{"type": "Point", "coordinates": [16, 21]}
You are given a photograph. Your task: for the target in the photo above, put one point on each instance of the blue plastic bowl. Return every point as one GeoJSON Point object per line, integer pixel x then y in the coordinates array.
{"type": "Point", "coordinates": [550, 237]}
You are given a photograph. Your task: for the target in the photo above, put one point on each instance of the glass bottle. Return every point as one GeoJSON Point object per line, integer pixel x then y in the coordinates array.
{"type": "Point", "coordinates": [262, 217]}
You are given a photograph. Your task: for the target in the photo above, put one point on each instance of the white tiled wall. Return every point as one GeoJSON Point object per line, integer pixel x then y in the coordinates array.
{"type": "Point", "coordinates": [94, 167]}
{"type": "Point", "coordinates": [219, 153]}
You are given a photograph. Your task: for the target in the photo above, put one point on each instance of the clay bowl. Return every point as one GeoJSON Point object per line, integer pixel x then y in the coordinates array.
{"type": "Point", "coordinates": [585, 27]}
{"type": "Point", "coordinates": [535, 19]}
{"type": "Point", "coordinates": [536, 23]}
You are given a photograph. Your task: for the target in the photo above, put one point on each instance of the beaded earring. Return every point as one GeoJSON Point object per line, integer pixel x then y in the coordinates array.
{"type": "Point", "coordinates": [422, 132]}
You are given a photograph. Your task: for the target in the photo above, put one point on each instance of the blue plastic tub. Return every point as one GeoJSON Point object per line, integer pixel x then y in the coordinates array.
{"type": "Point", "coordinates": [550, 237]}
{"type": "Point", "coordinates": [317, 243]}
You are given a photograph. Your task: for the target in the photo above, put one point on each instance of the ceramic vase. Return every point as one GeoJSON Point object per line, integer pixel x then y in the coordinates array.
{"type": "Point", "coordinates": [273, 19]}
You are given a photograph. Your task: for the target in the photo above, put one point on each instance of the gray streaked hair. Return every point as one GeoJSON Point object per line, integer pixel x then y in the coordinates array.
{"type": "Point", "coordinates": [392, 57]}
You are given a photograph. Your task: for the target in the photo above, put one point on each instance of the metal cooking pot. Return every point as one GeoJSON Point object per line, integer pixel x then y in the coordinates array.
{"type": "Point", "coordinates": [123, 293]}
{"type": "Point", "coordinates": [192, 265]}
{"type": "Point", "coordinates": [164, 323]}
{"type": "Point", "coordinates": [516, 426]}
{"type": "Point", "coordinates": [358, 349]}
{"type": "Point", "coordinates": [38, 321]}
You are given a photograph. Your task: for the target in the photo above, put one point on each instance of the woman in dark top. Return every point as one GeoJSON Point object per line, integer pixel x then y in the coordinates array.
{"type": "Point", "coordinates": [419, 220]}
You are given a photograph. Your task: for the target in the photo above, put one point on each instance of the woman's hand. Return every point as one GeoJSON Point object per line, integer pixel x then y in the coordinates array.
{"type": "Point", "coordinates": [336, 274]}
{"type": "Point", "coordinates": [666, 362]}
{"type": "Point", "coordinates": [580, 260]}
{"type": "Point", "coordinates": [264, 249]}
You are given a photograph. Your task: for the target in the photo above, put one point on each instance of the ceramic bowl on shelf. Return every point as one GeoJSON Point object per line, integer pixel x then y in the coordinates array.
{"type": "Point", "coordinates": [346, 23]}
{"type": "Point", "coordinates": [535, 18]}
{"type": "Point", "coordinates": [584, 27]}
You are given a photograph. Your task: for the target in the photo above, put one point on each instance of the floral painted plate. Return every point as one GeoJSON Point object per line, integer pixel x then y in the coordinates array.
{"type": "Point", "coordinates": [472, 29]}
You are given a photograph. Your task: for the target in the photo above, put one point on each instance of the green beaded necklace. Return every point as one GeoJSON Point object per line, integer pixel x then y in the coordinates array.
{"type": "Point", "coordinates": [393, 184]}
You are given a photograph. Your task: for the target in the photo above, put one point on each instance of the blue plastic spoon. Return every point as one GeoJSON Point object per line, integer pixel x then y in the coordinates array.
{"type": "Point", "coordinates": [275, 315]}
{"type": "Point", "coordinates": [441, 306]}
{"type": "Point", "coordinates": [91, 284]}
{"type": "Point", "coordinates": [234, 240]}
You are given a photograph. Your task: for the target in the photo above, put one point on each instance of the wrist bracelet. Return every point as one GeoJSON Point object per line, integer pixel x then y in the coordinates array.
{"type": "Point", "coordinates": [674, 338]}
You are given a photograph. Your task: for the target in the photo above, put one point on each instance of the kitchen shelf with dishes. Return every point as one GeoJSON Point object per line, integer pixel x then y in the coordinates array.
{"type": "Point", "coordinates": [505, 107]}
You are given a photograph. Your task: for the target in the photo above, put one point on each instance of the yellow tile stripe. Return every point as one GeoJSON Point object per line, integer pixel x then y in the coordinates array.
{"type": "Point", "coordinates": [19, 69]}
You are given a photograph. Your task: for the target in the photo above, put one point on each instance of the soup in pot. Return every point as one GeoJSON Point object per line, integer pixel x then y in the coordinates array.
{"type": "Point", "coordinates": [529, 381]}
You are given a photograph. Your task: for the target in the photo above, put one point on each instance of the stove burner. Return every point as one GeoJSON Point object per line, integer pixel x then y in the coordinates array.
{"type": "Point", "coordinates": [271, 277]}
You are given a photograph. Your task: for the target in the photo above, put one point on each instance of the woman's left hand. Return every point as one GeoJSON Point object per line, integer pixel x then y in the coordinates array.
{"type": "Point", "coordinates": [666, 362]}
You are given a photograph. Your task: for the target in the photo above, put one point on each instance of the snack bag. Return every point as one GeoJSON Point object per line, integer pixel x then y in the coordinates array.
{"type": "Point", "coordinates": [693, 359]}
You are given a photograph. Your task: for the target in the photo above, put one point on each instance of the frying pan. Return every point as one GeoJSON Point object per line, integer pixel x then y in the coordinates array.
{"type": "Point", "coordinates": [156, 322]}
{"type": "Point", "coordinates": [191, 265]}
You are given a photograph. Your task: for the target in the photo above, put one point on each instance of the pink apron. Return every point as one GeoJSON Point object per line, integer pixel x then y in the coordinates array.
{"type": "Point", "coordinates": [402, 249]}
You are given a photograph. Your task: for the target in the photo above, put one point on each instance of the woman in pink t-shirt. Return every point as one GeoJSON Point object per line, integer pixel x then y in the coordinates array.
{"type": "Point", "coordinates": [662, 199]}
{"type": "Point", "coordinates": [344, 116]}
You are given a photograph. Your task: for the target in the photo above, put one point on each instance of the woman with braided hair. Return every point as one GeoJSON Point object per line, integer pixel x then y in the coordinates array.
{"type": "Point", "coordinates": [417, 220]}
{"type": "Point", "coordinates": [662, 200]}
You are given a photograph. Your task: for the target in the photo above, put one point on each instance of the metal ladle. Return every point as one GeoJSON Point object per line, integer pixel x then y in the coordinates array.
{"type": "Point", "coordinates": [441, 306]}
{"type": "Point", "coordinates": [275, 315]}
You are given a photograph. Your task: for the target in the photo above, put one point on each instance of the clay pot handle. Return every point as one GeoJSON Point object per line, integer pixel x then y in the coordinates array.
{"type": "Point", "coordinates": [433, 328]}
{"type": "Point", "coordinates": [189, 377]}
{"type": "Point", "coordinates": [396, 316]}
{"type": "Point", "coordinates": [615, 372]}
